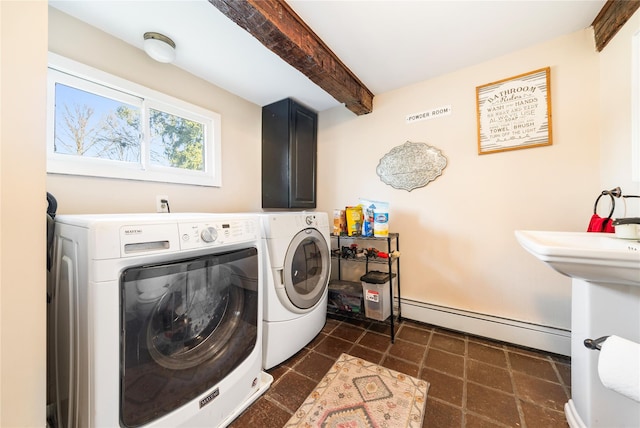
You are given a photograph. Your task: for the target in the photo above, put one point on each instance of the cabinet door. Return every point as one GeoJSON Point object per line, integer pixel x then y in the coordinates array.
{"type": "Point", "coordinates": [289, 132]}
{"type": "Point", "coordinates": [275, 155]}
{"type": "Point", "coordinates": [302, 190]}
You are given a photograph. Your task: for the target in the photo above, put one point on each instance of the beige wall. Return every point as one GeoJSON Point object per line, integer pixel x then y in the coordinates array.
{"type": "Point", "coordinates": [457, 233]}
{"type": "Point", "coordinates": [615, 116]}
{"type": "Point", "coordinates": [23, 34]}
{"type": "Point", "coordinates": [241, 121]}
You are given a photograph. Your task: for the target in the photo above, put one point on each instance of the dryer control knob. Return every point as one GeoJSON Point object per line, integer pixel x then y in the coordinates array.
{"type": "Point", "coordinates": [309, 220]}
{"type": "Point", "coordinates": [209, 234]}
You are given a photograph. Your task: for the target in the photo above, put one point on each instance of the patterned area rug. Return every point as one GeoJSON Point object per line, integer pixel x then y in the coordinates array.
{"type": "Point", "coordinates": [358, 394]}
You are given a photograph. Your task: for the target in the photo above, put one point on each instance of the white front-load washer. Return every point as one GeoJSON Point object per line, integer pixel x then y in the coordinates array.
{"type": "Point", "coordinates": [295, 300]}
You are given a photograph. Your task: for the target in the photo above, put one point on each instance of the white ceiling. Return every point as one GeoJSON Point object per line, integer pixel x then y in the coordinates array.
{"type": "Point", "coordinates": [388, 44]}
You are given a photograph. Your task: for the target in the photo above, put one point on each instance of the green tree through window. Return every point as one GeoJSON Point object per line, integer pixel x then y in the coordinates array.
{"type": "Point", "coordinates": [176, 141]}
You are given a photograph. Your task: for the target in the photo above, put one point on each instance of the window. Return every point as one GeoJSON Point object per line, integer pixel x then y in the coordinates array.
{"type": "Point", "coordinates": [104, 126]}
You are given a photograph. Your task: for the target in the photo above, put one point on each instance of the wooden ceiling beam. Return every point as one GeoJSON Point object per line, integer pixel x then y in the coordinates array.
{"type": "Point", "coordinates": [280, 29]}
{"type": "Point", "coordinates": [613, 15]}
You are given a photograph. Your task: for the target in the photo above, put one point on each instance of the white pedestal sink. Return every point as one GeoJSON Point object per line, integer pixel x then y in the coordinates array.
{"type": "Point", "coordinates": [605, 273]}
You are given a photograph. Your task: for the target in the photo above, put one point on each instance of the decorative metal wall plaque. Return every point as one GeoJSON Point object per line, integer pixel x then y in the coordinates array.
{"type": "Point", "coordinates": [411, 165]}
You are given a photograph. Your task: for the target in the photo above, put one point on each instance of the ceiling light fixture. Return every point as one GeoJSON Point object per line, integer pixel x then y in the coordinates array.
{"type": "Point", "coordinates": [159, 47]}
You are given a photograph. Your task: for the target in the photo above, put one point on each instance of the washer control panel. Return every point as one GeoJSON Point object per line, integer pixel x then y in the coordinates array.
{"type": "Point", "coordinates": [216, 233]}
{"type": "Point", "coordinates": [168, 233]}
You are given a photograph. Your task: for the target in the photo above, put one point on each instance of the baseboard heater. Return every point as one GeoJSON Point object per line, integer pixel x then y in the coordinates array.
{"type": "Point", "coordinates": [536, 336]}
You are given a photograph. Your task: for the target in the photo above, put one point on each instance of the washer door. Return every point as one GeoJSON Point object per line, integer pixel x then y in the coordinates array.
{"type": "Point", "coordinates": [186, 325]}
{"type": "Point", "coordinates": [306, 269]}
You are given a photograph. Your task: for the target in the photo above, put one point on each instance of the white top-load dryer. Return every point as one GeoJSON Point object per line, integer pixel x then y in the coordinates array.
{"type": "Point", "coordinates": [295, 299]}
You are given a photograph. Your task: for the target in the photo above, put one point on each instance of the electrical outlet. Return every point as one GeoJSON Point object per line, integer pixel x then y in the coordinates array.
{"type": "Point", "coordinates": [162, 207]}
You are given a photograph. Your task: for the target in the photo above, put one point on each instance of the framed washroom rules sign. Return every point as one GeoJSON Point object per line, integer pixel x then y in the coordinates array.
{"type": "Point", "coordinates": [514, 113]}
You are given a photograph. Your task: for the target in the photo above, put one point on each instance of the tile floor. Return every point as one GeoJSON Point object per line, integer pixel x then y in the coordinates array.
{"type": "Point", "coordinates": [475, 382]}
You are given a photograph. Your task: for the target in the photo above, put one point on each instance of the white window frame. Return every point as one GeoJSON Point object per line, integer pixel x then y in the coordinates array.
{"type": "Point", "coordinates": [66, 71]}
